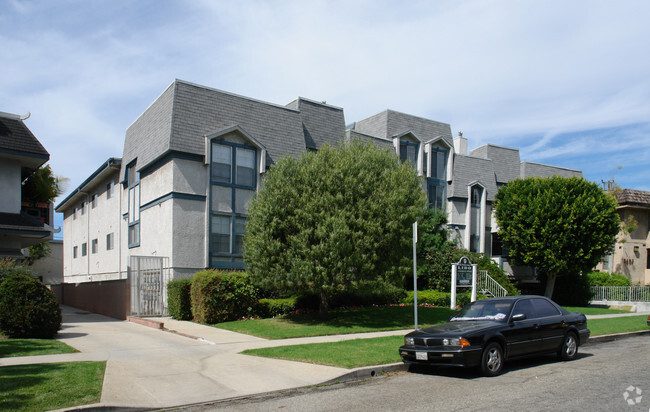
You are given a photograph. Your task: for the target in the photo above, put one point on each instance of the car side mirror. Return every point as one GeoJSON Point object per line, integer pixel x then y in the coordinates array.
{"type": "Point", "coordinates": [518, 317]}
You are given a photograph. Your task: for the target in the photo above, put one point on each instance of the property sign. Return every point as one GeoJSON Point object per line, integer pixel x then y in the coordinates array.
{"type": "Point", "coordinates": [464, 273]}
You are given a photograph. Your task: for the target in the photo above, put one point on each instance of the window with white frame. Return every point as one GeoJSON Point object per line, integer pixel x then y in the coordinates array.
{"type": "Point", "coordinates": [233, 181]}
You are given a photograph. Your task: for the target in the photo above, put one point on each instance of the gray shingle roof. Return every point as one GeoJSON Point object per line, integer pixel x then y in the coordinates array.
{"type": "Point", "coordinates": [470, 169]}
{"type": "Point", "coordinates": [185, 113]}
{"type": "Point", "coordinates": [390, 123]}
{"type": "Point", "coordinates": [16, 138]}
{"type": "Point", "coordinates": [505, 160]}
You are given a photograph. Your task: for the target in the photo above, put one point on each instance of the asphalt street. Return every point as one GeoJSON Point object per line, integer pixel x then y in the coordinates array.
{"type": "Point", "coordinates": [597, 381]}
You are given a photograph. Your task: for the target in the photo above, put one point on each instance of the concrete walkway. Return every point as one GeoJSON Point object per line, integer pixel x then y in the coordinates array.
{"type": "Point", "coordinates": [152, 368]}
{"type": "Point", "coordinates": [186, 363]}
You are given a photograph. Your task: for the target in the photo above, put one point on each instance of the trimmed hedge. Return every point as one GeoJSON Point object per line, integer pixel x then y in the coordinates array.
{"type": "Point", "coordinates": [437, 298]}
{"type": "Point", "coordinates": [607, 279]}
{"type": "Point", "coordinates": [179, 300]}
{"type": "Point", "coordinates": [28, 309]}
{"type": "Point", "coordinates": [13, 267]}
{"type": "Point", "coordinates": [366, 293]}
{"type": "Point", "coordinates": [221, 296]}
{"type": "Point", "coordinates": [268, 308]}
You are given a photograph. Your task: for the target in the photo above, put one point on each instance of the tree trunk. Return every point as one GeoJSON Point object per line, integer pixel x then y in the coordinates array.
{"type": "Point", "coordinates": [550, 285]}
{"type": "Point", "coordinates": [324, 306]}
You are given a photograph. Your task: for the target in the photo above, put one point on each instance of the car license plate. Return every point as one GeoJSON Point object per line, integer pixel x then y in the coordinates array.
{"type": "Point", "coordinates": [421, 356]}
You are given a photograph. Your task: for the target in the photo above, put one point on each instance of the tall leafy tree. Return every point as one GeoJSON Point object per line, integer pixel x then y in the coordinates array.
{"type": "Point", "coordinates": [332, 218]}
{"type": "Point", "coordinates": [559, 225]}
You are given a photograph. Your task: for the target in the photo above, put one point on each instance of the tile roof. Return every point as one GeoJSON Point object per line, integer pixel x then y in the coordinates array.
{"type": "Point", "coordinates": [390, 123]}
{"type": "Point", "coordinates": [629, 197]}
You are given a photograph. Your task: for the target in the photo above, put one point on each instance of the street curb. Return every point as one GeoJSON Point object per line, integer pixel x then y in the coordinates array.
{"type": "Point", "coordinates": [368, 372]}
{"type": "Point", "coordinates": [617, 336]}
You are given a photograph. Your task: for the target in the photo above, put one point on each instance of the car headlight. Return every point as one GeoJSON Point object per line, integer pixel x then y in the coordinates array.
{"type": "Point", "coordinates": [455, 342]}
{"type": "Point", "coordinates": [409, 341]}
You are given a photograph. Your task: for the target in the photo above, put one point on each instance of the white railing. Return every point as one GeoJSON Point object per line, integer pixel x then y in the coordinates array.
{"type": "Point", "coordinates": [621, 293]}
{"type": "Point", "coordinates": [487, 285]}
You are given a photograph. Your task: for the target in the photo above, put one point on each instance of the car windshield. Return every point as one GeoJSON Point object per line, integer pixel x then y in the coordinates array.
{"type": "Point", "coordinates": [484, 310]}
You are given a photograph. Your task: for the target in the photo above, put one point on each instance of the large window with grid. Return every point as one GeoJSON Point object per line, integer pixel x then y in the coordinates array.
{"type": "Point", "coordinates": [233, 181]}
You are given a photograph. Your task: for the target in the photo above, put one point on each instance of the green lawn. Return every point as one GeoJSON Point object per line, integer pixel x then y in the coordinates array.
{"type": "Point", "coordinates": [378, 351]}
{"type": "Point", "coordinates": [50, 386]}
{"type": "Point", "coordinates": [339, 322]}
{"type": "Point", "coordinates": [32, 347]}
{"type": "Point", "coordinates": [594, 311]}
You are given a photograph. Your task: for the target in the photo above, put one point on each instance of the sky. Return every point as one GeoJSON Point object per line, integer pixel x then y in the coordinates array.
{"type": "Point", "coordinates": [567, 83]}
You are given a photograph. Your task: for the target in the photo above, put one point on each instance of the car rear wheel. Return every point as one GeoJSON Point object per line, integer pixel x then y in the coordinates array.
{"type": "Point", "coordinates": [492, 360]}
{"type": "Point", "coordinates": [569, 349]}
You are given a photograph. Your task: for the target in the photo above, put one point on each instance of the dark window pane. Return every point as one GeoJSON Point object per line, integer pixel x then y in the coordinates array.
{"type": "Point", "coordinates": [525, 307]}
{"type": "Point", "coordinates": [221, 163]}
{"type": "Point", "coordinates": [544, 308]}
{"type": "Point", "coordinates": [245, 176]}
{"type": "Point", "coordinates": [220, 236]}
{"type": "Point", "coordinates": [240, 224]}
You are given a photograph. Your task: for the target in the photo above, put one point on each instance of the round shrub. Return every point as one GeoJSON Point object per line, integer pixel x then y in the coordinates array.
{"type": "Point", "coordinates": [12, 267]}
{"type": "Point", "coordinates": [28, 309]}
{"type": "Point", "coordinates": [221, 296]}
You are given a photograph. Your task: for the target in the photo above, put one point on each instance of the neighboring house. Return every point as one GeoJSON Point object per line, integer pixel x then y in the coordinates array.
{"type": "Point", "coordinates": [49, 269]}
{"type": "Point", "coordinates": [631, 255]}
{"type": "Point", "coordinates": [22, 222]}
{"type": "Point", "coordinates": [194, 159]}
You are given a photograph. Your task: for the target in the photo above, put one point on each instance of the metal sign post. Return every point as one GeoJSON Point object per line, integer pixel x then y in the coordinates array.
{"type": "Point", "coordinates": [415, 274]}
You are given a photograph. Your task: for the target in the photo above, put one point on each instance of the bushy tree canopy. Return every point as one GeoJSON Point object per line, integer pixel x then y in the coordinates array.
{"type": "Point", "coordinates": [332, 218]}
{"type": "Point", "coordinates": [559, 225]}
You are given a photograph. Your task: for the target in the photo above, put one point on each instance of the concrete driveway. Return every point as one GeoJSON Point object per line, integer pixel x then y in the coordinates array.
{"type": "Point", "coordinates": [147, 367]}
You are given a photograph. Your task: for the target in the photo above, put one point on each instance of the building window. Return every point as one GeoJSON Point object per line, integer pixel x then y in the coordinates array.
{"type": "Point", "coordinates": [109, 241]}
{"type": "Point", "coordinates": [438, 163]}
{"type": "Point", "coordinates": [109, 190]}
{"type": "Point", "coordinates": [475, 225]}
{"type": "Point", "coordinates": [436, 192]}
{"type": "Point", "coordinates": [408, 151]}
{"type": "Point", "coordinates": [74, 252]}
{"type": "Point", "coordinates": [647, 262]}
{"type": "Point", "coordinates": [74, 213]}
{"type": "Point", "coordinates": [93, 246]}
{"type": "Point", "coordinates": [133, 183]}
{"type": "Point", "coordinates": [93, 201]}
{"type": "Point", "coordinates": [84, 249]}
{"type": "Point", "coordinates": [83, 207]}
{"type": "Point", "coordinates": [233, 182]}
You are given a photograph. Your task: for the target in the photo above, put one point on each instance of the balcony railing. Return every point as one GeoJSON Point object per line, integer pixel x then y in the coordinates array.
{"type": "Point", "coordinates": [488, 286]}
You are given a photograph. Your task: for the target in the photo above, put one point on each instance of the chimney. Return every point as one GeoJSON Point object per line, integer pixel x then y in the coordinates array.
{"type": "Point", "coordinates": [460, 144]}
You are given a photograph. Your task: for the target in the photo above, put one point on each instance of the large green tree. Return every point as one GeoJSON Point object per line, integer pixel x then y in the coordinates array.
{"type": "Point", "coordinates": [333, 218]}
{"type": "Point", "coordinates": [559, 225]}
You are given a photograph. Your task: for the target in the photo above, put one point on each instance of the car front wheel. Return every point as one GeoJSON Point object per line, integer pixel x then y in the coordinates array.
{"type": "Point", "coordinates": [492, 360]}
{"type": "Point", "coordinates": [569, 350]}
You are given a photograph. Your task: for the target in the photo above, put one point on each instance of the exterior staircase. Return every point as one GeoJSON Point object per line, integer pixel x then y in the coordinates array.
{"type": "Point", "coordinates": [487, 286]}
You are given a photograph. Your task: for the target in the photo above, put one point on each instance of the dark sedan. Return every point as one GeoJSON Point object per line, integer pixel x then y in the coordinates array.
{"type": "Point", "coordinates": [488, 332]}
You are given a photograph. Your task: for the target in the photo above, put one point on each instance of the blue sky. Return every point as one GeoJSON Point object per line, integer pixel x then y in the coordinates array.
{"type": "Point", "coordinates": [568, 83]}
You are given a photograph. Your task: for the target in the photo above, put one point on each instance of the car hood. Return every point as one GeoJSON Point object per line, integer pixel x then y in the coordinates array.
{"type": "Point", "coordinates": [458, 327]}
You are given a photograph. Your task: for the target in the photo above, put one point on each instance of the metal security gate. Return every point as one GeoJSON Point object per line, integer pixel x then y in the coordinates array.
{"type": "Point", "coordinates": [148, 277]}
